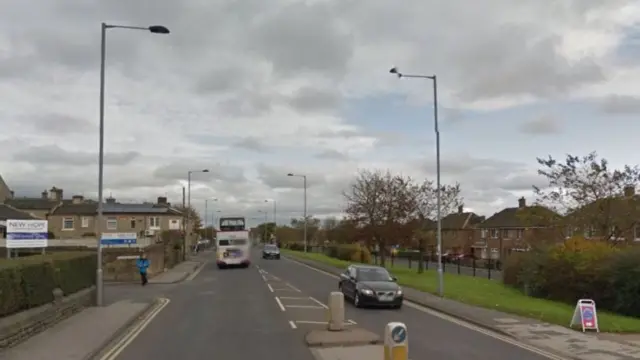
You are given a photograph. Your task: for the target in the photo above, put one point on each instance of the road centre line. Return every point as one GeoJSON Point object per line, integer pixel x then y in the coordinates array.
{"type": "Point", "coordinates": [280, 304]}
{"type": "Point", "coordinates": [456, 321]}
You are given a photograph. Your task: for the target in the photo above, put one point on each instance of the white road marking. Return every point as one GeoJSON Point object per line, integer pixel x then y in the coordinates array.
{"type": "Point", "coordinates": [293, 287]}
{"type": "Point", "coordinates": [295, 290]}
{"type": "Point", "coordinates": [280, 304]}
{"type": "Point", "coordinates": [456, 321]}
{"type": "Point", "coordinates": [195, 273]}
{"type": "Point", "coordinates": [293, 325]}
{"type": "Point", "coordinates": [352, 322]}
{"type": "Point", "coordinates": [346, 323]}
{"type": "Point", "coordinates": [318, 302]}
{"type": "Point", "coordinates": [113, 353]}
{"type": "Point", "coordinates": [293, 298]}
{"type": "Point", "coordinates": [304, 306]}
{"type": "Point", "coordinates": [275, 278]}
{"type": "Point", "coordinates": [270, 288]}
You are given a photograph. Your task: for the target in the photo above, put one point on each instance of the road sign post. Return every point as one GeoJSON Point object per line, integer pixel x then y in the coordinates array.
{"type": "Point", "coordinates": [396, 342]}
{"type": "Point", "coordinates": [119, 239]}
{"type": "Point", "coordinates": [585, 315]}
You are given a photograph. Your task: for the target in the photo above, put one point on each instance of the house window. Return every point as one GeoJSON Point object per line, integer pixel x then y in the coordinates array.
{"type": "Point", "coordinates": [174, 224]}
{"type": "Point", "coordinates": [520, 233]}
{"type": "Point", "coordinates": [67, 224]}
{"type": "Point", "coordinates": [494, 233]}
{"type": "Point", "coordinates": [154, 222]}
{"type": "Point", "coordinates": [133, 223]}
{"type": "Point", "coordinates": [483, 233]}
{"type": "Point", "coordinates": [112, 223]}
{"type": "Point", "coordinates": [85, 222]}
{"type": "Point", "coordinates": [505, 233]}
{"type": "Point", "coordinates": [589, 232]}
{"type": "Point", "coordinates": [636, 232]}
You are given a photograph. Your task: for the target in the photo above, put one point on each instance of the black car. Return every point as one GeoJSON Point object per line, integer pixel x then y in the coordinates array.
{"type": "Point", "coordinates": [271, 251]}
{"type": "Point", "coordinates": [370, 286]}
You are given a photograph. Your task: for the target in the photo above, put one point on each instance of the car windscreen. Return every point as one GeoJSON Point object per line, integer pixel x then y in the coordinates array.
{"type": "Point", "coordinates": [373, 274]}
{"type": "Point", "coordinates": [271, 247]}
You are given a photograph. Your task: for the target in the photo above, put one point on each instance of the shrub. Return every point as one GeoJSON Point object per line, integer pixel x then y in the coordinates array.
{"type": "Point", "coordinates": [29, 282]}
{"type": "Point", "coordinates": [622, 272]}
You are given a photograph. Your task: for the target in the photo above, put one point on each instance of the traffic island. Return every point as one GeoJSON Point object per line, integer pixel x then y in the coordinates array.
{"type": "Point", "coordinates": [343, 338]}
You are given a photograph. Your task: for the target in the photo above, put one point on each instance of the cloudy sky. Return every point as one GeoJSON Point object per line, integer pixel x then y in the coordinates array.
{"type": "Point", "coordinates": [255, 89]}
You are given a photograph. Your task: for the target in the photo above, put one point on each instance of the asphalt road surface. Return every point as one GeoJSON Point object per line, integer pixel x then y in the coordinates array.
{"type": "Point", "coordinates": [430, 336]}
{"type": "Point", "coordinates": [220, 314]}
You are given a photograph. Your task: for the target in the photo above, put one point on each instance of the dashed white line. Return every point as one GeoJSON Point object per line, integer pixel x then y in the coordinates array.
{"type": "Point", "coordinates": [280, 304]}
{"type": "Point", "coordinates": [318, 302]}
{"type": "Point", "coordinates": [270, 288]}
{"type": "Point", "coordinates": [293, 325]}
{"type": "Point", "coordinates": [293, 287]}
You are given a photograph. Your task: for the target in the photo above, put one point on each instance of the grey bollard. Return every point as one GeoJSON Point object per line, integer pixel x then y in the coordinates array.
{"type": "Point", "coordinates": [336, 311]}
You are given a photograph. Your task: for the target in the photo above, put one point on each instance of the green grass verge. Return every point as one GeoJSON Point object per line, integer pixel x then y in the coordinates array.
{"type": "Point", "coordinates": [489, 294]}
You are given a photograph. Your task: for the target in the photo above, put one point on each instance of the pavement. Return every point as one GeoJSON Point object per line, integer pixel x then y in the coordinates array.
{"type": "Point", "coordinates": [526, 333]}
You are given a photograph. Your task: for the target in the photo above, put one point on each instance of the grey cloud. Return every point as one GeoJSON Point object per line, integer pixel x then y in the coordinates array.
{"type": "Point", "coordinates": [55, 155]}
{"type": "Point", "coordinates": [332, 155]}
{"type": "Point", "coordinates": [276, 177]}
{"type": "Point", "coordinates": [179, 171]}
{"type": "Point", "coordinates": [57, 123]}
{"type": "Point", "coordinates": [515, 61]}
{"type": "Point", "coordinates": [253, 144]}
{"type": "Point", "coordinates": [621, 105]}
{"type": "Point", "coordinates": [543, 125]}
{"type": "Point", "coordinates": [247, 104]}
{"type": "Point", "coordinates": [219, 81]}
{"type": "Point", "coordinates": [303, 37]}
{"type": "Point", "coordinates": [311, 99]}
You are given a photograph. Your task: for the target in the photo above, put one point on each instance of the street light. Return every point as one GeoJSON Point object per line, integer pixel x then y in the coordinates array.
{"type": "Point", "coordinates": [188, 209]}
{"type": "Point", "coordinates": [305, 207]}
{"type": "Point", "coordinates": [400, 75]}
{"type": "Point", "coordinates": [156, 29]}
{"type": "Point", "coordinates": [206, 215]}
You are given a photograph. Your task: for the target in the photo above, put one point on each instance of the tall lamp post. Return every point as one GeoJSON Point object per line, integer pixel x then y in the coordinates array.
{"type": "Point", "coordinates": [187, 230]}
{"type": "Point", "coordinates": [206, 215]}
{"type": "Point", "coordinates": [305, 207]}
{"type": "Point", "coordinates": [156, 29]}
{"type": "Point", "coordinates": [438, 190]}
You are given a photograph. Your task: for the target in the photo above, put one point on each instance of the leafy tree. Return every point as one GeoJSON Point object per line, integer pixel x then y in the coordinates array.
{"type": "Point", "coordinates": [591, 196]}
{"type": "Point", "coordinates": [380, 202]}
{"type": "Point", "coordinates": [194, 217]}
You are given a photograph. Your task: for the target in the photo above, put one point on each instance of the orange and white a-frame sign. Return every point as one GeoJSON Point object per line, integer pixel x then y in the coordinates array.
{"type": "Point", "coordinates": [585, 315]}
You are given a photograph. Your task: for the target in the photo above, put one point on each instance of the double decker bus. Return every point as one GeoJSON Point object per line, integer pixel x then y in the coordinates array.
{"type": "Point", "coordinates": [233, 248]}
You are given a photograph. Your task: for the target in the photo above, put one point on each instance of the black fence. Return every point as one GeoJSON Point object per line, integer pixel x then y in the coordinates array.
{"type": "Point", "coordinates": [487, 268]}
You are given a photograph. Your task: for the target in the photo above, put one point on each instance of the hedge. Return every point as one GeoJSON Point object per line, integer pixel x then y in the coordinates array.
{"type": "Point", "coordinates": [346, 252]}
{"type": "Point", "coordinates": [29, 282]}
{"type": "Point", "coordinates": [580, 269]}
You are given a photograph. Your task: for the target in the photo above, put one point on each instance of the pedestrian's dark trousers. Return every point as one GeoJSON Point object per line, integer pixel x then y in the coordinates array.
{"type": "Point", "coordinates": [143, 276]}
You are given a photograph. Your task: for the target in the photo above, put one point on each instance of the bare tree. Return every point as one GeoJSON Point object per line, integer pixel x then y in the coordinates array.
{"type": "Point", "coordinates": [590, 195]}
{"type": "Point", "coordinates": [424, 207]}
{"type": "Point", "coordinates": [380, 202]}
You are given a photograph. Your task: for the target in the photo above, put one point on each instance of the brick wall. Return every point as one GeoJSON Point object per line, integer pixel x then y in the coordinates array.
{"type": "Point", "coordinates": [125, 270]}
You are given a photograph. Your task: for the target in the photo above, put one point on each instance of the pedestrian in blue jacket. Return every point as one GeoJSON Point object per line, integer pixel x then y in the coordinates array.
{"type": "Point", "coordinates": [143, 264]}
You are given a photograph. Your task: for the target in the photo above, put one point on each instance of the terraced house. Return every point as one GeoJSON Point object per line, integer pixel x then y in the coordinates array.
{"type": "Point", "coordinates": [458, 230]}
{"type": "Point", "coordinates": [78, 218]}
{"type": "Point", "coordinates": [39, 207]}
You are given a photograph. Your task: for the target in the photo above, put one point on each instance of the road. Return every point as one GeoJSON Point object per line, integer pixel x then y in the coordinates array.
{"type": "Point", "coordinates": [431, 337]}
{"type": "Point", "coordinates": [228, 314]}
{"type": "Point", "coordinates": [266, 310]}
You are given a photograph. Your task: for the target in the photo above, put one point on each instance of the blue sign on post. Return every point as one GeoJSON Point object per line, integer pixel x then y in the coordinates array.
{"type": "Point", "coordinates": [398, 334]}
{"type": "Point", "coordinates": [119, 239]}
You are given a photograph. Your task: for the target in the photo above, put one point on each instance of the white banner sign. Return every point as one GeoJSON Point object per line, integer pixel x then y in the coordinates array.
{"type": "Point", "coordinates": [27, 233]}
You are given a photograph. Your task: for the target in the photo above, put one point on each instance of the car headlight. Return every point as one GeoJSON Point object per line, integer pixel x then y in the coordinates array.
{"type": "Point", "coordinates": [366, 291]}
{"type": "Point", "coordinates": [399, 292]}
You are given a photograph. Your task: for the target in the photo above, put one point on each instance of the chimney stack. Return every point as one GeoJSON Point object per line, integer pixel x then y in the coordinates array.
{"type": "Point", "coordinates": [162, 200]}
{"type": "Point", "coordinates": [460, 209]}
{"type": "Point", "coordinates": [629, 191]}
{"type": "Point", "coordinates": [13, 194]}
{"type": "Point", "coordinates": [522, 202]}
{"type": "Point", "coordinates": [77, 199]}
{"type": "Point", "coordinates": [111, 200]}
{"type": "Point", "coordinates": [45, 195]}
